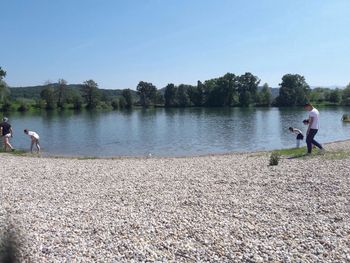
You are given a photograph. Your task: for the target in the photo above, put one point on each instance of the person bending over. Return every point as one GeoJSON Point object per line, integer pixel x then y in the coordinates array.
{"type": "Point", "coordinates": [34, 140]}
{"type": "Point", "coordinates": [299, 134]}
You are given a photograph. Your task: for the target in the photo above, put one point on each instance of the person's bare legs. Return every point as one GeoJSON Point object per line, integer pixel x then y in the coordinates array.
{"type": "Point", "coordinates": [31, 145]}
{"type": "Point", "coordinates": [4, 143]}
{"type": "Point", "coordinates": [37, 144]}
{"type": "Point", "coordinates": [7, 143]}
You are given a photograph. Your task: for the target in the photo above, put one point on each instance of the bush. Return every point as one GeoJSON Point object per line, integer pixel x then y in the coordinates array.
{"type": "Point", "coordinates": [115, 104]}
{"type": "Point", "coordinates": [23, 107]}
{"type": "Point", "coordinates": [77, 102]}
{"type": "Point", "coordinates": [103, 105]}
{"type": "Point", "coordinates": [6, 106]}
{"type": "Point", "coordinates": [122, 103]}
{"type": "Point", "coordinates": [274, 158]}
{"type": "Point", "coordinates": [40, 104]}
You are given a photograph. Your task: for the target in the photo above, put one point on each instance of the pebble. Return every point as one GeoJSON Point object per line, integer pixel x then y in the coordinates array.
{"type": "Point", "coordinates": [224, 208]}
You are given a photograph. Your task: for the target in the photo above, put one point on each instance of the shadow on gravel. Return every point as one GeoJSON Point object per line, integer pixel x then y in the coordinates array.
{"type": "Point", "coordinates": [297, 156]}
{"type": "Point", "coordinates": [9, 247]}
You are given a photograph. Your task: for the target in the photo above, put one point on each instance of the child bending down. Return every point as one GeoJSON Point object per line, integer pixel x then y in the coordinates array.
{"type": "Point", "coordinates": [34, 140]}
{"type": "Point", "coordinates": [299, 134]}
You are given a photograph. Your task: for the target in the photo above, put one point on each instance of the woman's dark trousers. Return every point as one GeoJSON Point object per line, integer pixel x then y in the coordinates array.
{"type": "Point", "coordinates": [311, 141]}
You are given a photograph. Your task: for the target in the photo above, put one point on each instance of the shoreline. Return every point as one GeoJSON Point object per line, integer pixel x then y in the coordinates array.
{"type": "Point", "coordinates": [121, 157]}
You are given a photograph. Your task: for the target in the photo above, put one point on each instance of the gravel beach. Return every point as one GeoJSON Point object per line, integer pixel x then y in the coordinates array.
{"type": "Point", "coordinates": [220, 208]}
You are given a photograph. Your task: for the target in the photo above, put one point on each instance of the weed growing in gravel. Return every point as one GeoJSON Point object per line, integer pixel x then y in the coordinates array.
{"type": "Point", "coordinates": [274, 158]}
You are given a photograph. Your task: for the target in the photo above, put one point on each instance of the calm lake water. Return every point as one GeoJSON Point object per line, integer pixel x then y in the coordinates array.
{"type": "Point", "coordinates": [171, 132]}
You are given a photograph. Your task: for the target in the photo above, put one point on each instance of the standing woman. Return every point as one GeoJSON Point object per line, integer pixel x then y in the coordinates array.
{"type": "Point", "coordinates": [313, 126]}
{"type": "Point", "coordinates": [6, 133]}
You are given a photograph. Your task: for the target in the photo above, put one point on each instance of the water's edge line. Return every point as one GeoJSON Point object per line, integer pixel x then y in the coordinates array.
{"type": "Point", "coordinates": [121, 157]}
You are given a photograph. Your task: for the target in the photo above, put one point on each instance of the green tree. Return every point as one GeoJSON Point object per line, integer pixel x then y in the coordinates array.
{"type": "Point", "coordinates": [61, 92]}
{"type": "Point", "coordinates": [212, 93]}
{"type": "Point", "coordinates": [48, 95]}
{"type": "Point", "coordinates": [91, 94]}
{"type": "Point", "coordinates": [170, 95]}
{"type": "Point", "coordinates": [196, 94]}
{"type": "Point", "coordinates": [6, 106]}
{"type": "Point", "coordinates": [122, 102]}
{"type": "Point", "coordinates": [182, 97]}
{"type": "Point", "coordinates": [317, 95]}
{"type": "Point", "coordinates": [105, 105]}
{"type": "Point", "coordinates": [104, 97]}
{"type": "Point", "coordinates": [23, 106]}
{"type": "Point", "coordinates": [220, 91]}
{"type": "Point", "coordinates": [2, 73]}
{"type": "Point", "coordinates": [126, 93]}
{"type": "Point", "coordinates": [40, 104]}
{"type": "Point", "coordinates": [335, 96]}
{"type": "Point", "coordinates": [77, 102]}
{"type": "Point", "coordinates": [72, 94]}
{"type": "Point", "coordinates": [115, 103]}
{"type": "Point", "coordinates": [346, 96]}
{"type": "Point", "coordinates": [247, 88]}
{"type": "Point", "coordinates": [229, 86]}
{"type": "Point", "coordinates": [159, 98]}
{"type": "Point", "coordinates": [147, 92]}
{"type": "Point", "coordinates": [265, 96]}
{"type": "Point", "coordinates": [294, 90]}
{"type": "Point", "coordinates": [4, 90]}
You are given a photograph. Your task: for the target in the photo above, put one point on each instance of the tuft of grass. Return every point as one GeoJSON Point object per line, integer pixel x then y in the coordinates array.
{"type": "Point", "coordinates": [274, 158]}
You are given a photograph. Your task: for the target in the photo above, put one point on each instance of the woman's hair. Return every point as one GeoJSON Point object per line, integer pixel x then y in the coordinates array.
{"type": "Point", "coordinates": [291, 128]}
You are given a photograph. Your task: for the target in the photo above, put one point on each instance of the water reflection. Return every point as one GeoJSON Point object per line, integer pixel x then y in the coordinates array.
{"type": "Point", "coordinates": [171, 132]}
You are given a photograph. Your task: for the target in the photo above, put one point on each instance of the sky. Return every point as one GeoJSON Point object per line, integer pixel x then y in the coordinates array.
{"type": "Point", "coordinates": [118, 43]}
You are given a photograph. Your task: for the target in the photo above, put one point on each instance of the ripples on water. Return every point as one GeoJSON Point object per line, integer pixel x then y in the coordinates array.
{"type": "Point", "coordinates": [172, 132]}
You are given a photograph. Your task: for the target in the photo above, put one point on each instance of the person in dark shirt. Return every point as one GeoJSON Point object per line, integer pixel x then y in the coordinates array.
{"type": "Point", "coordinates": [6, 133]}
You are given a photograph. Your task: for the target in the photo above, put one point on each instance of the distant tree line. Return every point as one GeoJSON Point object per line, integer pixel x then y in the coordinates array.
{"type": "Point", "coordinates": [229, 90]}
{"type": "Point", "coordinates": [88, 96]}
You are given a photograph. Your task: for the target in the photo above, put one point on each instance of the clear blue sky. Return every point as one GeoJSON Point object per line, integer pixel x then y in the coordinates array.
{"type": "Point", "coordinates": [120, 42]}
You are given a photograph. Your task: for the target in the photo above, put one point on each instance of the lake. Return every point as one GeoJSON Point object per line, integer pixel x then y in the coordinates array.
{"type": "Point", "coordinates": [171, 132]}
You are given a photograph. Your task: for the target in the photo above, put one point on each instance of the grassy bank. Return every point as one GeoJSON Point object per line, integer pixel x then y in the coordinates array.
{"type": "Point", "coordinates": [15, 152]}
{"type": "Point", "coordinates": [292, 153]}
